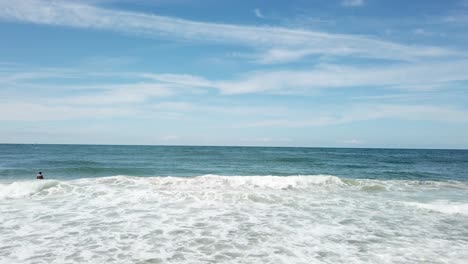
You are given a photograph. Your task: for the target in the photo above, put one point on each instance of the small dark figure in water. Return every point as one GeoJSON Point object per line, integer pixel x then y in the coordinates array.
{"type": "Point", "coordinates": [40, 176]}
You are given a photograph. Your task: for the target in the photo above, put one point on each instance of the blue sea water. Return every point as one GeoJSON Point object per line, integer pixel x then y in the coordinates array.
{"type": "Point", "coordinates": [183, 204]}
{"type": "Point", "coordinates": [80, 161]}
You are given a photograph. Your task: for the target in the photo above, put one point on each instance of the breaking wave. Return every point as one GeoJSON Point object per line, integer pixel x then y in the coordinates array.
{"type": "Point", "coordinates": [25, 188]}
{"type": "Point", "coordinates": [442, 206]}
{"type": "Point", "coordinates": [233, 219]}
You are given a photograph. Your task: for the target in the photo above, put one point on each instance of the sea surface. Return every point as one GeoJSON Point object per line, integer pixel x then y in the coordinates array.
{"type": "Point", "coordinates": [177, 204]}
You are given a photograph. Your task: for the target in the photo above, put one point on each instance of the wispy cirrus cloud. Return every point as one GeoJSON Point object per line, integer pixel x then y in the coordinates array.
{"type": "Point", "coordinates": [101, 101]}
{"type": "Point", "coordinates": [258, 13]}
{"type": "Point", "coordinates": [119, 94]}
{"type": "Point", "coordinates": [415, 77]}
{"type": "Point", "coordinates": [259, 116]}
{"type": "Point", "coordinates": [369, 112]}
{"type": "Point", "coordinates": [352, 142]}
{"type": "Point", "coordinates": [406, 77]}
{"type": "Point", "coordinates": [423, 32]}
{"type": "Point", "coordinates": [352, 3]}
{"type": "Point", "coordinates": [456, 19]}
{"type": "Point", "coordinates": [30, 111]}
{"type": "Point", "coordinates": [269, 39]}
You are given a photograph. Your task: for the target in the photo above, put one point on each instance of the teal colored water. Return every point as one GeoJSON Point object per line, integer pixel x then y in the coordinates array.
{"type": "Point", "coordinates": [80, 161]}
{"type": "Point", "coordinates": [122, 204]}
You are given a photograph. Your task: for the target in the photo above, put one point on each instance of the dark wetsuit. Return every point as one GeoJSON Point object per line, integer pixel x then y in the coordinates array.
{"type": "Point", "coordinates": [39, 177]}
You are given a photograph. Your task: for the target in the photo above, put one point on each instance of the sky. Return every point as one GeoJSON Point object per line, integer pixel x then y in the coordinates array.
{"type": "Point", "coordinates": [305, 73]}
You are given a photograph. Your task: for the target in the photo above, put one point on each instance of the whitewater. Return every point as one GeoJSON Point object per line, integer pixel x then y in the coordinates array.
{"type": "Point", "coordinates": [233, 219]}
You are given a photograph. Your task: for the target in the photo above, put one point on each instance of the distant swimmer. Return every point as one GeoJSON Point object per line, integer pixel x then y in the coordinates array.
{"type": "Point", "coordinates": [40, 176]}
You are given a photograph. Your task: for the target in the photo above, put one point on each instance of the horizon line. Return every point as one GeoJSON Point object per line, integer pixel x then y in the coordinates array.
{"type": "Point", "coordinates": [233, 146]}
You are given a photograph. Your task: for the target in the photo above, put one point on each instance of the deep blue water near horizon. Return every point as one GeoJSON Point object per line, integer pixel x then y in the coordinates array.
{"type": "Point", "coordinates": [23, 161]}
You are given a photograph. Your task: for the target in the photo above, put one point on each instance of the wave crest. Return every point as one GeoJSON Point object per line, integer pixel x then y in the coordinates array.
{"type": "Point", "coordinates": [216, 181]}
{"type": "Point", "coordinates": [212, 182]}
{"type": "Point", "coordinates": [444, 207]}
{"type": "Point", "coordinates": [25, 188]}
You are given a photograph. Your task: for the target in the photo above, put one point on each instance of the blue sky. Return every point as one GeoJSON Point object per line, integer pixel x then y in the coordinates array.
{"type": "Point", "coordinates": [344, 73]}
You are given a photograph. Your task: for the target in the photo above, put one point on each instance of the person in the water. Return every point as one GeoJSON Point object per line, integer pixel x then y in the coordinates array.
{"type": "Point", "coordinates": [40, 176]}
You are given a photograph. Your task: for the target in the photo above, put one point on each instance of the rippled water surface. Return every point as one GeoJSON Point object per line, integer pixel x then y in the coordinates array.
{"type": "Point", "coordinates": [335, 205]}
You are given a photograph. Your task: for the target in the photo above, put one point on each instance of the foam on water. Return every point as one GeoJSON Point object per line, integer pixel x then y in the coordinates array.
{"type": "Point", "coordinates": [24, 188]}
{"type": "Point", "coordinates": [445, 207]}
{"type": "Point", "coordinates": [233, 219]}
{"type": "Point", "coordinates": [230, 182]}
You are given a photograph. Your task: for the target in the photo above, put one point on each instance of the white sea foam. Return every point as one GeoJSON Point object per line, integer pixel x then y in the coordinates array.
{"type": "Point", "coordinates": [233, 219]}
{"type": "Point", "coordinates": [254, 181]}
{"type": "Point", "coordinates": [442, 206]}
{"type": "Point", "coordinates": [25, 188]}
{"type": "Point", "coordinates": [237, 182]}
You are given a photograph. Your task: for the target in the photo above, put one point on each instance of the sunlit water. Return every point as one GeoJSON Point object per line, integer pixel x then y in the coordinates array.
{"type": "Point", "coordinates": [324, 217]}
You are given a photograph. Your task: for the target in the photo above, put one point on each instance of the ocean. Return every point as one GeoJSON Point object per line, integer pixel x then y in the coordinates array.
{"type": "Point", "coordinates": [184, 204]}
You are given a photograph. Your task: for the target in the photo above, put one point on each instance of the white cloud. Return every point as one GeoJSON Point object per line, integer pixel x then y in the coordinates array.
{"type": "Point", "coordinates": [258, 13]}
{"type": "Point", "coordinates": [119, 94]}
{"type": "Point", "coordinates": [407, 77]}
{"type": "Point", "coordinates": [456, 19]}
{"type": "Point", "coordinates": [352, 142]}
{"type": "Point", "coordinates": [173, 106]}
{"type": "Point", "coordinates": [423, 32]}
{"type": "Point", "coordinates": [220, 109]}
{"type": "Point", "coordinates": [17, 111]}
{"type": "Point", "coordinates": [12, 75]}
{"type": "Point", "coordinates": [352, 3]}
{"type": "Point", "coordinates": [444, 114]}
{"type": "Point", "coordinates": [415, 77]}
{"type": "Point", "coordinates": [283, 55]}
{"type": "Point", "coordinates": [183, 80]}
{"type": "Point", "coordinates": [62, 13]}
